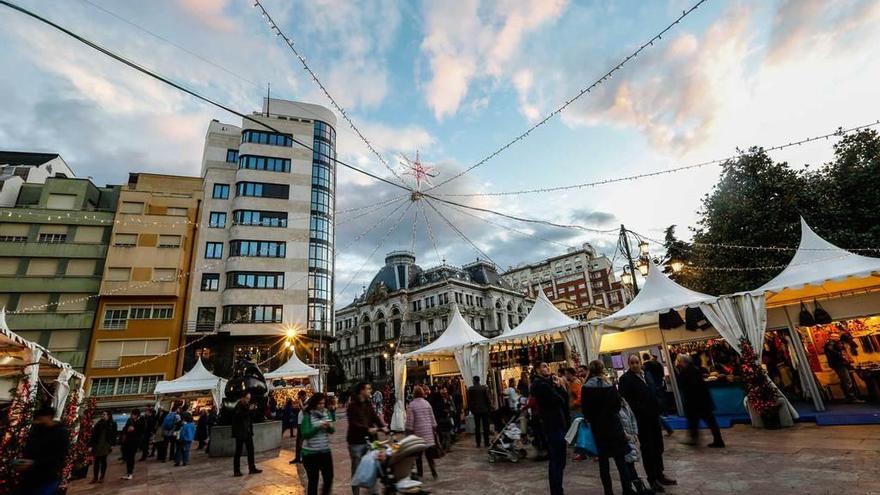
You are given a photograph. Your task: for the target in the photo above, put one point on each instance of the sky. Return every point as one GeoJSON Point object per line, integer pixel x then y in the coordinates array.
{"type": "Point", "coordinates": [456, 84]}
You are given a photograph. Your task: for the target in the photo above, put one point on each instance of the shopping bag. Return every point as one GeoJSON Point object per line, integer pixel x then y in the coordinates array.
{"type": "Point", "coordinates": [586, 441]}
{"type": "Point", "coordinates": [571, 434]}
{"type": "Point", "coordinates": [367, 471]}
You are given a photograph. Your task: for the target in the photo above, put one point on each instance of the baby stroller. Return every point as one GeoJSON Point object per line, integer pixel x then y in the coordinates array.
{"type": "Point", "coordinates": [390, 462]}
{"type": "Point", "coordinates": [508, 444]}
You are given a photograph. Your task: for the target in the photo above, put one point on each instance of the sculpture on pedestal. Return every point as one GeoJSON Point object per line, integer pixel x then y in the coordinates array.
{"type": "Point", "coordinates": [246, 378]}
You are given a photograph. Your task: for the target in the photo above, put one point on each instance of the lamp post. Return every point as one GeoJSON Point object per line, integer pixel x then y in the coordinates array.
{"type": "Point", "coordinates": [624, 244]}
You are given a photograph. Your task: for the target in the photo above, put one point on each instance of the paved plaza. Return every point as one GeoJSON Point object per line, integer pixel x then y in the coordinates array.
{"type": "Point", "coordinates": [806, 459]}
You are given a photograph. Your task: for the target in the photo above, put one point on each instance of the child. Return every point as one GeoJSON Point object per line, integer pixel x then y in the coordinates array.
{"type": "Point", "coordinates": [631, 430]}
{"type": "Point", "coordinates": [185, 439]}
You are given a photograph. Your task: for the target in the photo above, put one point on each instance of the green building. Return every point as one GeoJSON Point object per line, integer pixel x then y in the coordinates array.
{"type": "Point", "coordinates": [53, 242]}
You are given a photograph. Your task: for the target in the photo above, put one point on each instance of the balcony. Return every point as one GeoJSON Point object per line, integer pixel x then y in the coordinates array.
{"type": "Point", "coordinates": [52, 284]}
{"type": "Point", "coordinates": [51, 250]}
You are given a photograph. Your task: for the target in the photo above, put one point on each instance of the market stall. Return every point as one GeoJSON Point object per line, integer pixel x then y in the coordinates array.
{"type": "Point", "coordinates": [196, 384]}
{"type": "Point", "coordinates": [290, 378]}
{"type": "Point", "coordinates": [825, 302]}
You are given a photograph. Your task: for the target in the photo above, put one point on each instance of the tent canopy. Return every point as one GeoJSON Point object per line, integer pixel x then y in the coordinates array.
{"type": "Point", "coordinates": [820, 268]}
{"type": "Point", "coordinates": [543, 318]}
{"type": "Point", "coordinates": [198, 379]}
{"type": "Point", "coordinates": [293, 368]}
{"type": "Point", "coordinates": [16, 352]}
{"type": "Point", "coordinates": [659, 295]}
{"type": "Point", "coordinates": [457, 335]}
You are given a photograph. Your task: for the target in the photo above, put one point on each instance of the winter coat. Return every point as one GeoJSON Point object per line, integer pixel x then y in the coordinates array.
{"type": "Point", "coordinates": [552, 402]}
{"type": "Point", "coordinates": [187, 432]}
{"type": "Point", "coordinates": [103, 437]}
{"type": "Point", "coordinates": [133, 437]}
{"type": "Point", "coordinates": [697, 400]}
{"type": "Point", "coordinates": [315, 439]}
{"type": "Point", "coordinates": [242, 424]}
{"type": "Point", "coordinates": [420, 420]}
{"type": "Point", "coordinates": [478, 399]}
{"type": "Point", "coordinates": [600, 403]}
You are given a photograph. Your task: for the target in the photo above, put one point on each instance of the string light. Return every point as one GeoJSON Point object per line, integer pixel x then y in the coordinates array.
{"type": "Point", "coordinates": [430, 232]}
{"type": "Point", "coordinates": [573, 99]}
{"type": "Point", "coordinates": [324, 90]}
{"type": "Point", "coordinates": [460, 233]}
{"type": "Point", "coordinates": [718, 161]}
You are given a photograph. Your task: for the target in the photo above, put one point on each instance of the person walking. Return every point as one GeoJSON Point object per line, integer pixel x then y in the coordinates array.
{"type": "Point", "coordinates": [551, 395]}
{"type": "Point", "coordinates": [202, 429]}
{"type": "Point", "coordinates": [363, 424]}
{"type": "Point", "coordinates": [444, 414]}
{"type": "Point", "coordinates": [213, 418]}
{"type": "Point", "coordinates": [420, 421]}
{"type": "Point", "coordinates": [132, 436]}
{"type": "Point", "coordinates": [298, 406]}
{"type": "Point", "coordinates": [479, 405]}
{"type": "Point", "coordinates": [185, 438]}
{"type": "Point", "coordinates": [44, 454]}
{"type": "Point", "coordinates": [169, 425]}
{"type": "Point", "coordinates": [316, 427]}
{"type": "Point", "coordinates": [243, 432]}
{"type": "Point", "coordinates": [600, 402]}
{"type": "Point", "coordinates": [697, 401]}
{"type": "Point", "coordinates": [288, 422]}
{"type": "Point", "coordinates": [100, 444]}
{"type": "Point", "coordinates": [637, 387]}
{"type": "Point", "coordinates": [149, 428]}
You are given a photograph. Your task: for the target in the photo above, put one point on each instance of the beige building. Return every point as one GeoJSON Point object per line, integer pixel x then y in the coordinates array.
{"type": "Point", "coordinates": [142, 309]}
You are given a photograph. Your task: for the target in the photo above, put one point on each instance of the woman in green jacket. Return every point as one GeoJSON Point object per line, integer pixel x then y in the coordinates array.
{"type": "Point", "coordinates": [102, 440]}
{"type": "Point", "coordinates": [316, 427]}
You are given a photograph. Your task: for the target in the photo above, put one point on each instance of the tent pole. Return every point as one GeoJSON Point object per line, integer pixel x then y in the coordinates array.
{"type": "Point", "coordinates": [679, 407]}
{"type": "Point", "coordinates": [806, 374]}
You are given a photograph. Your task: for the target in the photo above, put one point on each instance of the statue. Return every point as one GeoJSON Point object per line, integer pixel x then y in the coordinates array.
{"type": "Point", "coordinates": [246, 377]}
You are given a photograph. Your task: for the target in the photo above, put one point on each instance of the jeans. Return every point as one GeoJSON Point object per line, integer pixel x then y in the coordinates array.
{"type": "Point", "coordinates": [846, 382]}
{"type": "Point", "coordinates": [247, 443]}
{"type": "Point", "coordinates": [99, 469]}
{"type": "Point", "coordinates": [356, 453]}
{"type": "Point", "coordinates": [315, 464]}
{"type": "Point", "coordinates": [622, 469]}
{"type": "Point", "coordinates": [182, 456]}
{"type": "Point", "coordinates": [299, 444]}
{"type": "Point", "coordinates": [128, 453]}
{"type": "Point", "coordinates": [556, 451]}
{"type": "Point", "coordinates": [481, 420]}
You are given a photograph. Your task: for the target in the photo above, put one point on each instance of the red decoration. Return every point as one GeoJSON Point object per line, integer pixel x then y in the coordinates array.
{"type": "Point", "coordinates": [18, 424]}
{"type": "Point", "coordinates": [80, 434]}
{"type": "Point", "coordinates": [761, 395]}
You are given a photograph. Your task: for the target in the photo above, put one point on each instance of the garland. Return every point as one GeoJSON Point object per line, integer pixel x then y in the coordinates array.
{"type": "Point", "coordinates": [18, 424]}
{"type": "Point", "coordinates": [80, 433]}
{"type": "Point", "coordinates": [761, 395]}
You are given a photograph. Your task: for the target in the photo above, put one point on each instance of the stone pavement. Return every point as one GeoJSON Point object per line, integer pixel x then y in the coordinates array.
{"type": "Point", "coordinates": [806, 459]}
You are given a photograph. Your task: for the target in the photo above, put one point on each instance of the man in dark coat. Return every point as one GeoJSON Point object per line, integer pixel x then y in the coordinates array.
{"type": "Point", "coordinates": [639, 390]}
{"type": "Point", "coordinates": [150, 424]}
{"type": "Point", "coordinates": [43, 455]}
{"type": "Point", "coordinates": [132, 437]}
{"type": "Point", "coordinates": [479, 405]}
{"type": "Point", "coordinates": [551, 394]}
{"type": "Point", "coordinates": [243, 432]}
{"type": "Point", "coordinates": [697, 401]}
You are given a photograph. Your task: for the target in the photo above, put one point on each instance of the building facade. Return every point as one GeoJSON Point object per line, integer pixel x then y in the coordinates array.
{"type": "Point", "coordinates": [53, 243]}
{"type": "Point", "coordinates": [580, 276]}
{"type": "Point", "coordinates": [17, 168]}
{"type": "Point", "coordinates": [144, 291]}
{"type": "Point", "coordinates": [264, 265]}
{"type": "Point", "coordinates": [406, 307]}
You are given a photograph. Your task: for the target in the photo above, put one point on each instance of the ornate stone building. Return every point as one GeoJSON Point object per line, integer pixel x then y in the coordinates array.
{"type": "Point", "coordinates": [406, 307]}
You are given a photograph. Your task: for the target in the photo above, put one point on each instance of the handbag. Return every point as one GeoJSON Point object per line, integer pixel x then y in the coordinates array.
{"type": "Point", "coordinates": [669, 320]}
{"type": "Point", "coordinates": [694, 319]}
{"type": "Point", "coordinates": [820, 316]}
{"type": "Point", "coordinates": [805, 318]}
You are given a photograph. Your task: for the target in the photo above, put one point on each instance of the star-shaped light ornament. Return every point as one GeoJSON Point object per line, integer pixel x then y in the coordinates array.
{"type": "Point", "coordinates": [421, 173]}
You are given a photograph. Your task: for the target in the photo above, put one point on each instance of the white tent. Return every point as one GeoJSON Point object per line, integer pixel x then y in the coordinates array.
{"type": "Point", "coordinates": [293, 368]}
{"type": "Point", "coordinates": [544, 318]}
{"type": "Point", "coordinates": [198, 379]}
{"type": "Point", "coordinates": [819, 269]}
{"type": "Point", "coordinates": [456, 336]}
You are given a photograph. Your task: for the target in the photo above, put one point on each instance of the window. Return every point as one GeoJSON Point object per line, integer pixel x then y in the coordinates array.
{"type": "Point", "coordinates": [319, 256]}
{"type": "Point", "coordinates": [221, 191]}
{"type": "Point", "coordinates": [210, 282]}
{"type": "Point", "coordinates": [205, 318]}
{"type": "Point", "coordinates": [213, 250]}
{"type": "Point", "coordinates": [140, 312]}
{"type": "Point", "coordinates": [164, 274]}
{"type": "Point", "coordinates": [258, 249]}
{"type": "Point", "coordinates": [125, 240]}
{"type": "Point", "coordinates": [118, 274]}
{"type": "Point", "coordinates": [115, 318]}
{"type": "Point", "coordinates": [217, 220]}
{"type": "Point", "coordinates": [42, 267]}
{"type": "Point", "coordinates": [255, 280]}
{"type": "Point", "coordinates": [53, 238]}
{"type": "Point", "coordinates": [61, 202]}
{"type": "Point", "coordinates": [418, 328]}
{"type": "Point", "coordinates": [81, 267]}
{"type": "Point", "coordinates": [270, 138]}
{"type": "Point", "coordinates": [14, 232]}
{"type": "Point", "coordinates": [89, 235]}
{"type": "Point", "coordinates": [252, 314]}
{"type": "Point", "coordinates": [177, 212]}
{"type": "Point", "coordinates": [319, 286]}
{"type": "Point", "coordinates": [322, 201]}
{"type": "Point", "coordinates": [163, 312]}
{"type": "Point", "coordinates": [132, 207]}
{"type": "Point", "coordinates": [260, 218]}
{"type": "Point", "coordinates": [268, 163]}
{"type": "Point", "coordinates": [128, 385]}
{"type": "Point", "coordinates": [322, 176]}
{"type": "Point", "coordinates": [169, 241]}
{"type": "Point", "coordinates": [321, 228]}
{"type": "Point", "coordinates": [262, 190]}
{"type": "Point", "coordinates": [325, 131]}
{"type": "Point", "coordinates": [231, 156]}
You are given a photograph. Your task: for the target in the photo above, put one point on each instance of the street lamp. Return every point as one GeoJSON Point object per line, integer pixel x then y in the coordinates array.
{"type": "Point", "coordinates": [643, 248]}
{"type": "Point", "coordinates": [626, 277]}
{"type": "Point", "coordinates": [677, 266]}
{"type": "Point", "coordinates": [643, 267]}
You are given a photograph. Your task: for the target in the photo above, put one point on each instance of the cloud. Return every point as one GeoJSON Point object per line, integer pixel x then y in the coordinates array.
{"type": "Point", "coordinates": [592, 218]}
{"type": "Point", "coordinates": [211, 13]}
{"type": "Point", "coordinates": [474, 41]}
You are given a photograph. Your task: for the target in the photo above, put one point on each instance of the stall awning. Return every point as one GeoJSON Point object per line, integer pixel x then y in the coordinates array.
{"type": "Point", "coordinates": [16, 352]}
{"type": "Point", "coordinates": [457, 335]}
{"type": "Point", "coordinates": [818, 269]}
{"type": "Point", "coordinates": [293, 368]}
{"type": "Point", "coordinates": [544, 318]}
{"type": "Point", "coordinates": [198, 379]}
{"type": "Point", "coordinates": [658, 295]}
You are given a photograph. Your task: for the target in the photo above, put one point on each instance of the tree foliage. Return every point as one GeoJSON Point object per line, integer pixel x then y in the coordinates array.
{"type": "Point", "coordinates": [758, 202]}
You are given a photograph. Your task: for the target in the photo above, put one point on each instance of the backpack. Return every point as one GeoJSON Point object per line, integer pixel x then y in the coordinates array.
{"type": "Point", "coordinates": [169, 423]}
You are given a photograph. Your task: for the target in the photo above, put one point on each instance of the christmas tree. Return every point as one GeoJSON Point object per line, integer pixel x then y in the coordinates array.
{"type": "Point", "coordinates": [18, 424]}
{"type": "Point", "coordinates": [761, 395]}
